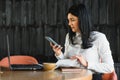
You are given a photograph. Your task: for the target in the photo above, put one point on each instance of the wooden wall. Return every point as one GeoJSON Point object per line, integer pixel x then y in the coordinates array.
{"type": "Point", "coordinates": [28, 21]}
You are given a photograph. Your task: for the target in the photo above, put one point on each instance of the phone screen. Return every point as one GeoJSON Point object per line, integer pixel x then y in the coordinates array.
{"type": "Point", "coordinates": [51, 40]}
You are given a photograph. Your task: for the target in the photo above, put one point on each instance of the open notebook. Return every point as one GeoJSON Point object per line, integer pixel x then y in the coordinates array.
{"type": "Point", "coordinates": [21, 66]}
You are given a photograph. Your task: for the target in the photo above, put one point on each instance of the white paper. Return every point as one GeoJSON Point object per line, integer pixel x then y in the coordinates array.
{"type": "Point", "coordinates": [67, 63]}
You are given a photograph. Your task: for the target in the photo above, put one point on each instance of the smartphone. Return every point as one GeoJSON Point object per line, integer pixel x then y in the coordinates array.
{"type": "Point", "coordinates": [51, 40]}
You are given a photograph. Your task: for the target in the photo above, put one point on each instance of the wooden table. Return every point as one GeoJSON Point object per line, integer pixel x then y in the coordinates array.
{"type": "Point", "coordinates": [45, 75]}
{"type": "Point", "coordinates": [82, 75]}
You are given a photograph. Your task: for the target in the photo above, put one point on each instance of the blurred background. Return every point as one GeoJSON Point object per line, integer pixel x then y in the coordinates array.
{"type": "Point", "coordinates": [27, 22]}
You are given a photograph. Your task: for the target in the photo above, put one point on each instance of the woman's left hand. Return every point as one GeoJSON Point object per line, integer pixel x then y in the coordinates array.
{"type": "Point", "coordinates": [80, 59]}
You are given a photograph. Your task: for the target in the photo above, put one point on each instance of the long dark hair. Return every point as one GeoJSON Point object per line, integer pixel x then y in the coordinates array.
{"type": "Point", "coordinates": [85, 25]}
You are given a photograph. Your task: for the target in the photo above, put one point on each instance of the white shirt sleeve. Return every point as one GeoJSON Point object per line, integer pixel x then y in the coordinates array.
{"type": "Point", "coordinates": [106, 65]}
{"type": "Point", "coordinates": [63, 56]}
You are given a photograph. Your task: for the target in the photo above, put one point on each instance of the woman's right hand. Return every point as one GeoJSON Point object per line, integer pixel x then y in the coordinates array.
{"type": "Point", "coordinates": [56, 49]}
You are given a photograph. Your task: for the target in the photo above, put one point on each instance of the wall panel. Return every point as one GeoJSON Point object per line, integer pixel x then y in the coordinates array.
{"type": "Point", "coordinates": [28, 21]}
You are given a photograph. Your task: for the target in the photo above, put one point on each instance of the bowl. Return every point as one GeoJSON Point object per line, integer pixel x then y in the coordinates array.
{"type": "Point", "coordinates": [49, 66]}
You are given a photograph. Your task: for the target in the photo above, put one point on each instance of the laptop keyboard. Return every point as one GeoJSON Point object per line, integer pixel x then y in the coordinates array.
{"type": "Point", "coordinates": [26, 67]}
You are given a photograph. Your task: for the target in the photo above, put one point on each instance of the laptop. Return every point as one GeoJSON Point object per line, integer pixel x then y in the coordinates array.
{"type": "Point", "coordinates": [21, 66]}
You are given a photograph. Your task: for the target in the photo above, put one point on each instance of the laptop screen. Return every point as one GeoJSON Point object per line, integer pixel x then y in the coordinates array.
{"type": "Point", "coordinates": [21, 66]}
{"type": "Point", "coordinates": [8, 49]}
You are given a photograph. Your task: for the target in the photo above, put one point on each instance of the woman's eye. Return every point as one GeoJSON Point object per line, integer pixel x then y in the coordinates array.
{"type": "Point", "coordinates": [72, 20]}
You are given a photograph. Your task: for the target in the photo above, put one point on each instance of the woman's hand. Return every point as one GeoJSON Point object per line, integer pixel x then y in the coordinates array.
{"type": "Point", "coordinates": [56, 49]}
{"type": "Point", "coordinates": [81, 60]}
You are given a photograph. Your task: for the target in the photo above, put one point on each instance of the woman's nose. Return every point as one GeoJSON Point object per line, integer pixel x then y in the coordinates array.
{"type": "Point", "coordinates": [69, 23]}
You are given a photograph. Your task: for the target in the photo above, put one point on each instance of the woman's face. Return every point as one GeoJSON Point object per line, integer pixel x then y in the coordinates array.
{"type": "Point", "coordinates": [73, 22]}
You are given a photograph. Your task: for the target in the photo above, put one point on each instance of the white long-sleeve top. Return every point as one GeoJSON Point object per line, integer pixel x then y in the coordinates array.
{"type": "Point", "coordinates": [98, 56]}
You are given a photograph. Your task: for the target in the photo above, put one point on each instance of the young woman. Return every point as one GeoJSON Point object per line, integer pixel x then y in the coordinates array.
{"type": "Point", "coordinates": [90, 48]}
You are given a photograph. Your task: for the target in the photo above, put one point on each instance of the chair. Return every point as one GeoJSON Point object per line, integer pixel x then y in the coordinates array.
{"type": "Point", "coordinates": [109, 76]}
{"type": "Point", "coordinates": [18, 59]}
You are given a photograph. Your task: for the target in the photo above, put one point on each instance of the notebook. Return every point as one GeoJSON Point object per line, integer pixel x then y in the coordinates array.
{"type": "Point", "coordinates": [21, 66]}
